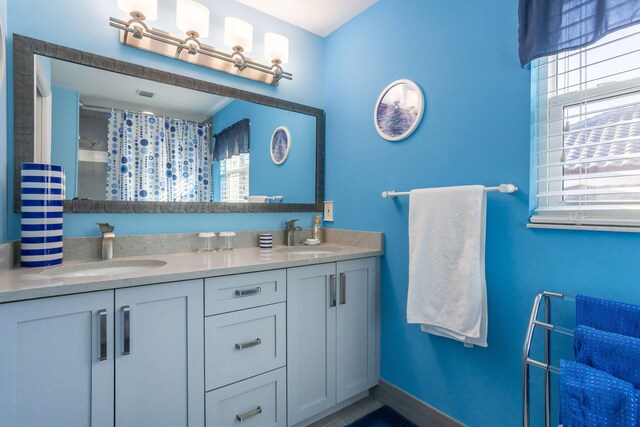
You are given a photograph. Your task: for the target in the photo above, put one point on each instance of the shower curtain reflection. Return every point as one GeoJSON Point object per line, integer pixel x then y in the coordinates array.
{"type": "Point", "coordinates": [159, 159]}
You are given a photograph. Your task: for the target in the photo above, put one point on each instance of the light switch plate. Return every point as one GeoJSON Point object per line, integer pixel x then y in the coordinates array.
{"type": "Point", "coordinates": [328, 211]}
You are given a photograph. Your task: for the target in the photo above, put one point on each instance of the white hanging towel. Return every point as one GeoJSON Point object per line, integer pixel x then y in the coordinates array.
{"type": "Point", "coordinates": [447, 288]}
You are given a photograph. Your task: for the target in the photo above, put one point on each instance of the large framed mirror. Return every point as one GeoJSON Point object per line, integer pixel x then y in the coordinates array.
{"type": "Point", "coordinates": [138, 139]}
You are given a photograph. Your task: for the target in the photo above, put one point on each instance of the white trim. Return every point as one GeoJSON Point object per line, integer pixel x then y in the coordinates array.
{"type": "Point", "coordinates": [42, 83]}
{"type": "Point", "coordinates": [42, 125]}
{"type": "Point", "coordinates": [585, 221]}
{"type": "Point", "coordinates": [92, 156]}
{"type": "Point", "coordinates": [286, 154]}
{"type": "Point", "coordinates": [619, 229]}
{"type": "Point", "coordinates": [415, 124]}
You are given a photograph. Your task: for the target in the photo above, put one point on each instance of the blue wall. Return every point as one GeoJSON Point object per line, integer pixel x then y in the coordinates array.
{"type": "Point", "coordinates": [64, 135]}
{"type": "Point", "coordinates": [476, 131]}
{"type": "Point", "coordinates": [295, 178]}
{"type": "Point", "coordinates": [47, 20]}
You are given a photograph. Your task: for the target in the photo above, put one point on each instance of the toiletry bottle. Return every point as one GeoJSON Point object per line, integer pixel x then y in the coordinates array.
{"type": "Point", "coordinates": [316, 227]}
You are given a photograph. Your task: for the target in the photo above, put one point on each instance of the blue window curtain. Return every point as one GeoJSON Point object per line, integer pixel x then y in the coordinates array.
{"type": "Point", "coordinates": [232, 141]}
{"type": "Point", "coordinates": [548, 27]}
{"type": "Point", "coordinates": [153, 158]}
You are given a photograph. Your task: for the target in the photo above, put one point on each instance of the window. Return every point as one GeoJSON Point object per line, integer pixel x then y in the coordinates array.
{"type": "Point", "coordinates": [234, 179]}
{"type": "Point", "coordinates": [587, 133]}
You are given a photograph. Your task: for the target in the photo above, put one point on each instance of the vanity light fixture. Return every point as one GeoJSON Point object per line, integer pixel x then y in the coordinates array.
{"type": "Point", "coordinates": [193, 18]}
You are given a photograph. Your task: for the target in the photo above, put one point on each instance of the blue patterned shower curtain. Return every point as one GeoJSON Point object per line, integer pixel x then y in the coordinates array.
{"type": "Point", "coordinates": [157, 159]}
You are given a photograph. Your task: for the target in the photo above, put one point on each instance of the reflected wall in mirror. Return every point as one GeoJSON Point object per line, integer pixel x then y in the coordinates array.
{"type": "Point", "coordinates": [163, 143]}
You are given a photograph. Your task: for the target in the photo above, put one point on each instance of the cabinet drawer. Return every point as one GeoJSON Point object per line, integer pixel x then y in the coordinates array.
{"type": "Point", "coordinates": [240, 291]}
{"type": "Point", "coordinates": [259, 402]}
{"type": "Point", "coordinates": [244, 343]}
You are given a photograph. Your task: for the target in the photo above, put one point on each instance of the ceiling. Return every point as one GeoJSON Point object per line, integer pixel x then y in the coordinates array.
{"type": "Point", "coordinates": [321, 17]}
{"type": "Point", "coordinates": [113, 90]}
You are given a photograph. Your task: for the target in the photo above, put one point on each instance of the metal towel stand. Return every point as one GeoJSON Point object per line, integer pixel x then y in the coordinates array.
{"type": "Point", "coordinates": [546, 365]}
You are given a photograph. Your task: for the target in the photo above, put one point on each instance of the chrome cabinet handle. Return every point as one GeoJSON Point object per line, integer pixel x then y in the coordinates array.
{"type": "Point", "coordinates": [343, 288]}
{"type": "Point", "coordinates": [332, 284]}
{"type": "Point", "coordinates": [102, 315]}
{"type": "Point", "coordinates": [247, 292]}
{"type": "Point", "coordinates": [248, 415]}
{"type": "Point", "coordinates": [126, 330]}
{"type": "Point", "coordinates": [248, 344]}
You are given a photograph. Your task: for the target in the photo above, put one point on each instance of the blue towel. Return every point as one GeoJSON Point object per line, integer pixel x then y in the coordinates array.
{"type": "Point", "coordinates": [615, 354]}
{"type": "Point", "coordinates": [608, 316]}
{"type": "Point", "coordinates": [589, 397]}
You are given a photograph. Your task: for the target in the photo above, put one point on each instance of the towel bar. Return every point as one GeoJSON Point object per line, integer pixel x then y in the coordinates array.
{"type": "Point", "coordinates": [503, 188]}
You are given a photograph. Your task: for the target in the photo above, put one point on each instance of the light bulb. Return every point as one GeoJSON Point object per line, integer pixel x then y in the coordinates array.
{"type": "Point", "coordinates": [192, 18]}
{"type": "Point", "coordinates": [276, 48]}
{"type": "Point", "coordinates": [148, 9]}
{"type": "Point", "coordinates": [238, 33]}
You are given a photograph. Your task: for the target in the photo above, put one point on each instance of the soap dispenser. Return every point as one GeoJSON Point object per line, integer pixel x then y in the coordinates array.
{"type": "Point", "coordinates": [316, 227]}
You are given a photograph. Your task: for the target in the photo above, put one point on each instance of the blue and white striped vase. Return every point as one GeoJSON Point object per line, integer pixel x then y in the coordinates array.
{"type": "Point", "coordinates": [42, 204]}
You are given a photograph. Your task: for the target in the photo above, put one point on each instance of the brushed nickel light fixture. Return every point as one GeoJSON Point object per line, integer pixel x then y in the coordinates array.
{"type": "Point", "coordinates": [193, 19]}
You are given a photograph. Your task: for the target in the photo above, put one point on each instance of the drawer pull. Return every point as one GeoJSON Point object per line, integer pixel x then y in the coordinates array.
{"type": "Point", "coordinates": [245, 417]}
{"type": "Point", "coordinates": [343, 288]}
{"type": "Point", "coordinates": [249, 344]}
{"type": "Point", "coordinates": [247, 292]}
{"type": "Point", "coordinates": [332, 290]}
{"type": "Point", "coordinates": [102, 315]}
{"type": "Point", "coordinates": [126, 330]}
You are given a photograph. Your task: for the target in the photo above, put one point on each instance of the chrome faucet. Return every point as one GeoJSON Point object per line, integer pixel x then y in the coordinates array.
{"type": "Point", "coordinates": [107, 240]}
{"type": "Point", "coordinates": [290, 229]}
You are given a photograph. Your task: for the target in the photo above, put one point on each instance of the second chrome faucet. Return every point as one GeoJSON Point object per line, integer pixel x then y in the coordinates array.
{"type": "Point", "coordinates": [290, 229]}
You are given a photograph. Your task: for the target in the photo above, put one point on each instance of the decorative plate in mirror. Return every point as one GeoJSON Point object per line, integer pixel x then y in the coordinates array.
{"type": "Point", "coordinates": [280, 145]}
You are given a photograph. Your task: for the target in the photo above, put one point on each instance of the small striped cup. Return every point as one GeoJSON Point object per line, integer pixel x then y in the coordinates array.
{"type": "Point", "coordinates": [266, 241]}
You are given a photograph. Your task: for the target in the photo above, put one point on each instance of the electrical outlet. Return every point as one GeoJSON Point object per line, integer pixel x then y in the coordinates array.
{"type": "Point", "coordinates": [328, 211]}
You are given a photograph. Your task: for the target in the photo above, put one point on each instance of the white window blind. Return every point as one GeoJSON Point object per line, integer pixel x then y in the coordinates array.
{"type": "Point", "coordinates": [586, 109]}
{"type": "Point", "coordinates": [234, 179]}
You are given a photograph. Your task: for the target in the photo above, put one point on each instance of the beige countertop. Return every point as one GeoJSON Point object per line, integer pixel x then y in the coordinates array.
{"type": "Point", "coordinates": [29, 283]}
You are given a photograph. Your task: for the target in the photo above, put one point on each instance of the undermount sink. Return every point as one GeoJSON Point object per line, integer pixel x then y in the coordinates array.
{"type": "Point", "coordinates": [104, 268]}
{"type": "Point", "coordinates": [307, 250]}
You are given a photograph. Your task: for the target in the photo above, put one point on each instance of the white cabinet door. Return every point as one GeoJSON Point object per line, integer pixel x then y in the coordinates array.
{"type": "Point", "coordinates": [311, 341]}
{"type": "Point", "coordinates": [160, 355]}
{"type": "Point", "coordinates": [51, 372]}
{"type": "Point", "coordinates": [357, 338]}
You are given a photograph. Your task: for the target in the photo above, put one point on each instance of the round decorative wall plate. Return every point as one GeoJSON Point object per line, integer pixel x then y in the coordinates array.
{"type": "Point", "coordinates": [399, 110]}
{"type": "Point", "coordinates": [280, 145]}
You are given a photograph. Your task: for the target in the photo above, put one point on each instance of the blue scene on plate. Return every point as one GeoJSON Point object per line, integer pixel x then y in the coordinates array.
{"type": "Point", "coordinates": [398, 111]}
{"type": "Point", "coordinates": [279, 145]}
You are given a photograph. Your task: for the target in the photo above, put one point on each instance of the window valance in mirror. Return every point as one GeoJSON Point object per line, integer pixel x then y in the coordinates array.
{"type": "Point", "coordinates": [232, 141]}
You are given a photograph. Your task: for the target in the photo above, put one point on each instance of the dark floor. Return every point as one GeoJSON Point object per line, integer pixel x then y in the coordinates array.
{"type": "Point", "coordinates": [349, 414]}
